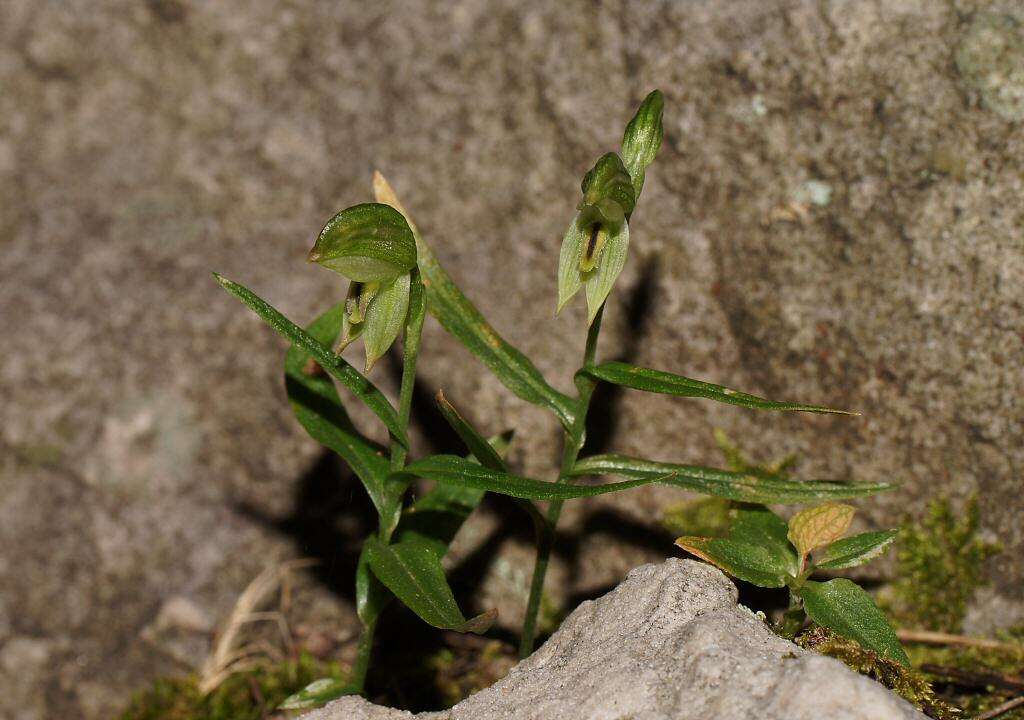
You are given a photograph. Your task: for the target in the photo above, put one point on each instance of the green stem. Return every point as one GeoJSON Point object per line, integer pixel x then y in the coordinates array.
{"type": "Point", "coordinates": [574, 439]}
{"type": "Point", "coordinates": [363, 652]}
{"type": "Point", "coordinates": [398, 452]}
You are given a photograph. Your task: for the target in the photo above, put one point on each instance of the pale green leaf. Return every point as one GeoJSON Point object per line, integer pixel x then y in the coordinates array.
{"type": "Point", "coordinates": [843, 606]}
{"type": "Point", "coordinates": [855, 550]}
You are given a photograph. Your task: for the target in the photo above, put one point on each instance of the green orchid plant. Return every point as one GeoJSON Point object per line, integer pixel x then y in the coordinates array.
{"type": "Point", "coordinates": [395, 278]}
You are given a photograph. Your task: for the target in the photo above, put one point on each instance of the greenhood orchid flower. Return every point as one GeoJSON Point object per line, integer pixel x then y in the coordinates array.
{"type": "Point", "coordinates": [595, 246]}
{"type": "Point", "coordinates": [373, 246]}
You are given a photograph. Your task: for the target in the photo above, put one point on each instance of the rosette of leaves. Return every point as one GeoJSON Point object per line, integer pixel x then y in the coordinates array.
{"type": "Point", "coordinates": [372, 245]}
{"type": "Point", "coordinates": [764, 550]}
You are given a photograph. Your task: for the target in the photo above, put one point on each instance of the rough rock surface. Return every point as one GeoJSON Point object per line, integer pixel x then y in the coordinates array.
{"type": "Point", "coordinates": [835, 217]}
{"type": "Point", "coordinates": [669, 643]}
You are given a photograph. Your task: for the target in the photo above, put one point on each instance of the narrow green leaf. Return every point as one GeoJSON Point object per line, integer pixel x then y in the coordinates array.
{"type": "Point", "coordinates": [366, 243]}
{"type": "Point", "coordinates": [855, 550]}
{"type": "Point", "coordinates": [453, 470]}
{"type": "Point", "coordinates": [318, 409]}
{"type": "Point", "coordinates": [724, 483]}
{"type": "Point", "coordinates": [643, 137]}
{"type": "Point", "coordinates": [752, 563]}
{"type": "Point", "coordinates": [414, 574]}
{"type": "Point", "coordinates": [317, 693]}
{"type": "Point", "coordinates": [434, 519]}
{"type": "Point", "coordinates": [363, 389]}
{"type": "Point", "coordinates": [570, 279]}
{"type": "Point", "coordinates": [482, 450]}
{"type": "Point", "coordinates": [843, 606]}
{"type": "Point", "coordinates": [385, 317]}
{"type": "Point", "coordinates": [757, 525]}
{"type": "Point", "coordinates": [657, 381]}
{"type": "Point", "coordinates": [460, 317]}
{"type": "Point", "coordinates": [600, 281]}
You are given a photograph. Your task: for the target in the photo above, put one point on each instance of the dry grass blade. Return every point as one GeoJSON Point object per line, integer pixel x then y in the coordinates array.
{"type": "Point", "coordinates": [228, 655]}
{"type": "Point", "coordinates": [928, 637]}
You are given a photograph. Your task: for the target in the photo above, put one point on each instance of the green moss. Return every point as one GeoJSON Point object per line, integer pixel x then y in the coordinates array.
{"type": "Point", "coordinates": [251, 695]}
{"type": "Point", "coordinates": [940, 567]}
{"type": "Point", "coordinates": [910, 684]}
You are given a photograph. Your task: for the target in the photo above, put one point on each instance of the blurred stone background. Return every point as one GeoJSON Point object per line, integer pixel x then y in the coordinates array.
{"type": "Point", "coordinates": [835, 216]}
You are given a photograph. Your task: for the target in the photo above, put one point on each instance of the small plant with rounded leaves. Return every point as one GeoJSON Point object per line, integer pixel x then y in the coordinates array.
{"type": "Point", "coordinates": [395, 278]}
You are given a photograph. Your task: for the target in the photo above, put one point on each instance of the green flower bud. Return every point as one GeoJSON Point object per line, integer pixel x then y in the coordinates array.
{"type": "Point", "coordinates": [608, 184]}
{"type": "Point", "coordinates": [642, 138]}
{"type": "Point", "coordinates": [366, 243]}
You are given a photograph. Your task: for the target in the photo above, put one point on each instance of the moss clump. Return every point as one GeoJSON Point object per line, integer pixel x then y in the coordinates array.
{"type": "Point", "coordinates": [910, 684]}
{"type": "Point", "coordinates": [251, 695]}
{"type": "Point", "coordinates": [940, 566]}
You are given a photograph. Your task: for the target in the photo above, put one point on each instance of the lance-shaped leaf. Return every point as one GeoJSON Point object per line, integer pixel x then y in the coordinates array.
{"type": "Point", "coordinates": [319, 692]}
{"type": "Point", "coordinates": [752, 563]}
{"type": "Point", "coordinates": [385, 317]}
{"type": "Point", "coordinates": [318, 409]}
{"type": "Point", "coordinates": [642, 138]}
{"type": "Point", "coordinates": [855, 550]}
{"type": "Point", "coordinates": [757, 525]}
{"type": "Point", "coordinates": [601, 279]}
{"type": "Point", "coordinates": [657, 381]}
{"type": "Point", "coordinates": [482, 450]}
{"type": "Point", "coordinates": [365, 391]}
{"type": "Point", "coordinates": [435, 518]}
{"type": "Point", "coordinates": [414, 574]}
{"type": "Point", "coordinates": [461, 318]}
{"type": "Point", "coordinates": [366, 243]}
{"type": "Point", "coordinates": [817, 526]}
{"type": "Point", "coordinates": [844, 607]}
{"type": "Point", "coordinates": [453, 470]}
{"type": "Point", "coordinates": [724, 483]}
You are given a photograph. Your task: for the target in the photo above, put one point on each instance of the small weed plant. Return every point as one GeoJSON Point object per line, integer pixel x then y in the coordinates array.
{"type": "Point", "coordinates": [395, 279]}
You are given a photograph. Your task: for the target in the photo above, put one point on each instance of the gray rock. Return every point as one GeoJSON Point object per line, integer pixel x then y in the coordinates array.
{"type": "Point", "coordinates": [669, 643]}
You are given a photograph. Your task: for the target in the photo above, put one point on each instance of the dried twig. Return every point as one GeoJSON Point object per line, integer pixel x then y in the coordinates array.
{"type": "Point", "coordinates": [1001, 709]}
{"type": "Point", "coordinates": [928, 637]}
{"type": "Point", "coordinates": [976, 678]}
